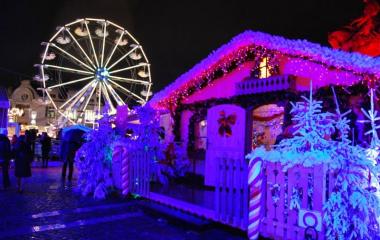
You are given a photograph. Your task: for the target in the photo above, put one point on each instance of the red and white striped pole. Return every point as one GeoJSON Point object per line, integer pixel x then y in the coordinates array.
{"type": "Point", "coordinates": [120, 153]}
{"type": "Point", "coordinates": [125, 173]}
{"type": "Point", "coordinates": [255, 179]}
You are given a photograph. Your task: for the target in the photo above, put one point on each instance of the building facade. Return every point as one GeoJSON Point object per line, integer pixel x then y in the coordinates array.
{"type": "Point", "coordinates": [30, 110]}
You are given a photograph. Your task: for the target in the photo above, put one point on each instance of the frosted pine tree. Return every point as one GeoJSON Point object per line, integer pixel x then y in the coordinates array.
{"type": "Point", "coordinates": [352, 209]}
{"type": "Point", "coordinates": [94, 161]}
{"type": "Point", "coordinates": [311, 144]}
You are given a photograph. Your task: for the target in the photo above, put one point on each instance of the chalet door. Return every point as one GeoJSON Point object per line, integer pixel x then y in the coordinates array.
{"type": "Point", "coordinates": [226, 128]}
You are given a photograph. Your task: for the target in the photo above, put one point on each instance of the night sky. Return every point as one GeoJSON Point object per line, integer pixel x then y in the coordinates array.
{"type": "Point", "coordinates": [175, 34]}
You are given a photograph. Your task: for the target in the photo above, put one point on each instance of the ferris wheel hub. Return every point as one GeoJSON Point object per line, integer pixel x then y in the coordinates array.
{"type": "Point", "coordinates": [102, 74]}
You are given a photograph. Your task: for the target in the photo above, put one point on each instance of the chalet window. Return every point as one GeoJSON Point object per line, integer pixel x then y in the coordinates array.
{"type": "Point", "coordinates": [265, 68]}
{"type": "Point", "coordinates": [200, 133]}
{"type": "Point", "coordinates": [267, 125]}
{"type": "Point", "coordinates": [50, 112]}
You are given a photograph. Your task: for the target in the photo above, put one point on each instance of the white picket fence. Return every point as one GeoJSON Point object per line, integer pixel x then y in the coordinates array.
{"type": "Point", "coordinates": [231, 191]}
{"type": "Point", "coordinates": [139, 169]}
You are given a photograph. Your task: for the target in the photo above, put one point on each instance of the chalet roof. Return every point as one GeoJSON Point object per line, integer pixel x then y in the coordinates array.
{"type": "Point", "coordinates": [351, 62]}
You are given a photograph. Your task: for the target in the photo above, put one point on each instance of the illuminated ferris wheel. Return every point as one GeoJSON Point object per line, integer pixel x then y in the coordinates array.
{"type": "Point", "coordinates": [91, 63]}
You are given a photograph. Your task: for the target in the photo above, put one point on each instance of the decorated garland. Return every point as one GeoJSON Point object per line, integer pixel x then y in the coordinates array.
{"type": "Point", "coordinates": [199, 115]}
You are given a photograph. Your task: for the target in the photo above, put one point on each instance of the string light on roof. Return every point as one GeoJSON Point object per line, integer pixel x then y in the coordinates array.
{"type": "Point", "coordinates": [239, 49]}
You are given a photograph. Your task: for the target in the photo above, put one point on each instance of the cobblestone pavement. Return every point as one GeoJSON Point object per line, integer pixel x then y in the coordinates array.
{"type": "Point", "coordinates": [50, 209]}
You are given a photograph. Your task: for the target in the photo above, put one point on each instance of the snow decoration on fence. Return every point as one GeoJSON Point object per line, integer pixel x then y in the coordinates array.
{"type": "Point", "coordinates": [94, 161]}
{"type": "Point", "coordinates": [353, 208]}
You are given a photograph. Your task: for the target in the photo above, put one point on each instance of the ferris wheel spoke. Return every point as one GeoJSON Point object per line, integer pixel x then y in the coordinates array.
{"type": "Point", "coordinates": [51, 100]}
{"type": "Point", "coordinates": [88, 99]}
{"type": "Point", "coordinates": [129, 80]}
{"type": "Point", "coordinates": [43, 76]}
{"type": "Point", "coordinates": [79, 92]}
{"type": "Point", "coordinates": [150, 85]}
{"type": "Point", "coordinates": [45, 53]}
{"type": "Point", "coordinates": [127, 91]}
{"type": "Point", "coordinates": [107, 97]}
{"type": "Point", "coordinates": [114, 49]}
{"type": "Point", "coordinates": [80, 98]}
{"type": "Point", "coordinates": [77, 102]}
{"type": "Point", "coordinates": [71, 70]}
{"type": "Point", "coordinates": [71, 56]}
{"type": "Point", "coordinates": [146, 59]}
{"type": "Point", "coordinates": [129, 68]}
{"type": "Point", "coordinates": [147, 96]}
{"type": "Point", "coordinates": [56, 34]}
{"type": "Point", "coordinates": [80, 47]}
{"type": "Point", "coordinates": [72, 23]}
{"type": "Point", "coordinates": [99, 100]}
{"type": "Point", "coordinates": [92, 44]}
{"type": "Point", "coordinates": [104, 43]}
{"type": "Point", "coordinates": [114, 94]}
{"type": "Point", "coordinates": [130, 35]}
{"type": "Point", "coordinates": [66, 117]}
{"type": "Point", "coordinates": [124, 56]}
{"type": "Point", "coordinates": [71, 82]}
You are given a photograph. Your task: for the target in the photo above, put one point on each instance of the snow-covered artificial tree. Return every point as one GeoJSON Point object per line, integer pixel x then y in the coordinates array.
{"type": "Point", "coordinates": [145, 135]}
{"type": "Point", "coordinates": [94, 161]}
{"type": "Point", "coordinates": [311, 143]}
{"type": "Point", "coordinates": [352, 210]}
{"type": "Point", "coordinates": [168, 159]}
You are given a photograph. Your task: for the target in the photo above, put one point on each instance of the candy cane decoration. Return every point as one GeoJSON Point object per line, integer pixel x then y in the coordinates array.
{"type": "Point", "coordinates": [255, 180]}
{"type": "Point", "coordinates": [120, 153]}
{"type": "Point", "coordinates": [125, 173]}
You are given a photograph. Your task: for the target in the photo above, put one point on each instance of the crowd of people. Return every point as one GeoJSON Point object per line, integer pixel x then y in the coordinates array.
{"type": "Point", "coordinates": [20, 150]}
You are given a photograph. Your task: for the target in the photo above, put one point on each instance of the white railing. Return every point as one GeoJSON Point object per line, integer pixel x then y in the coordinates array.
{"type": "Point", "coordinates": [231, 191]}
{"type": "Point", "coordinates": [139, 170]}
{"type": "Point", "coordinates": [270, 84]}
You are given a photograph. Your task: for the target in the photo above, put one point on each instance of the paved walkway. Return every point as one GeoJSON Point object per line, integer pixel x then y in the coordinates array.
{"type": "Point", "coordinates": [49, 209]}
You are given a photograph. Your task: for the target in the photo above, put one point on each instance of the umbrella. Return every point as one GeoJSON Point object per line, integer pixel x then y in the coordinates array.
{"type": "Point", "coordinates": [71, 141]}
{"type": "Point", "coordinates": [74, 133]}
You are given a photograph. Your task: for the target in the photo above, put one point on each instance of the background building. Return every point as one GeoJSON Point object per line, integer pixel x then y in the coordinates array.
{"type": "Point", "coordinates": [29, 109]}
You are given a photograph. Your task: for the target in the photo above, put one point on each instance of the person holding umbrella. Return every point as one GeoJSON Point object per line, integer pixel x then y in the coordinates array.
{"type": "Point", "coordinates": [72, 140]}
